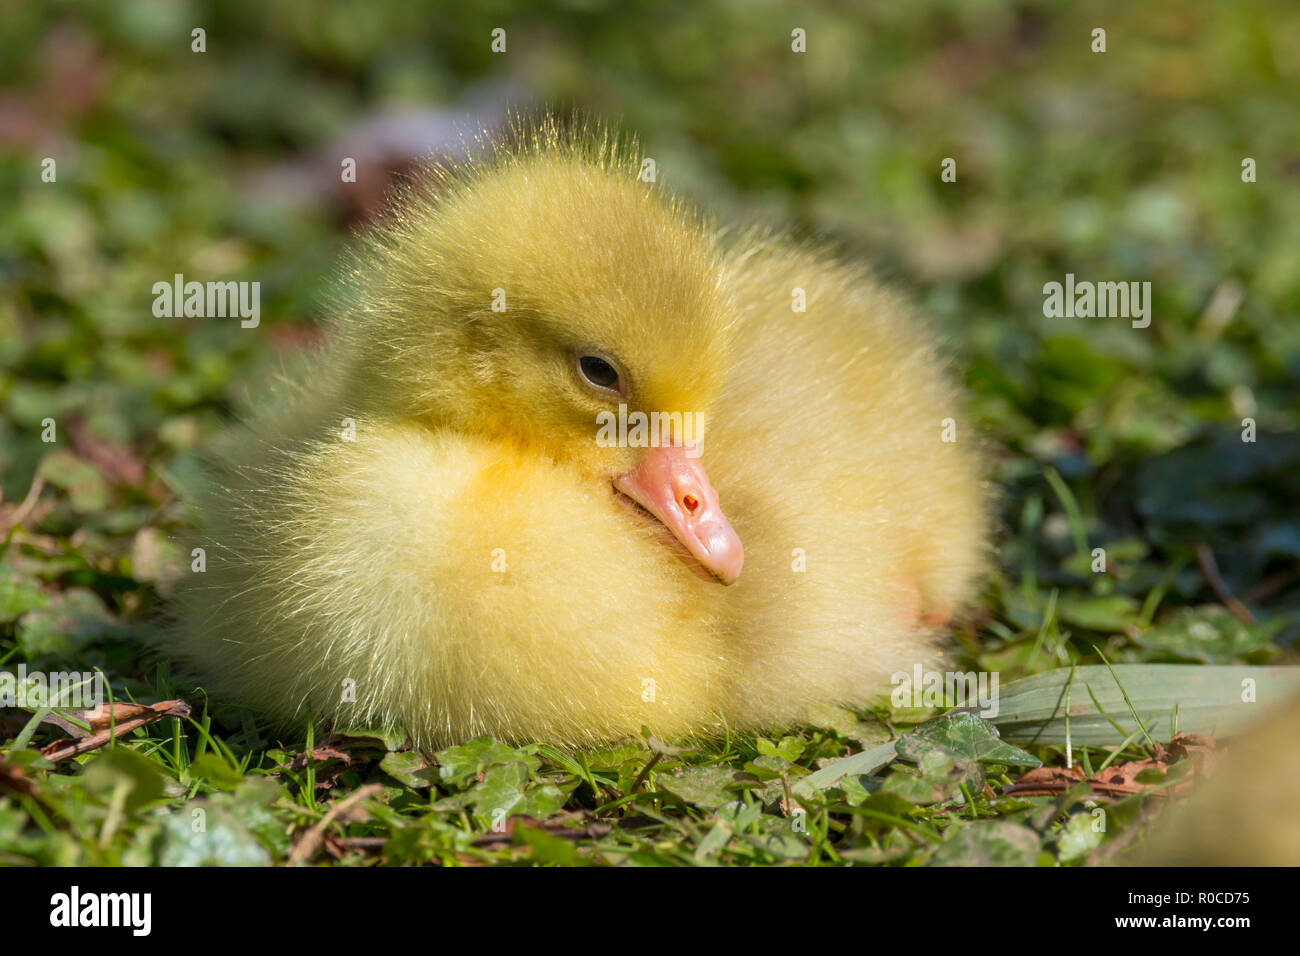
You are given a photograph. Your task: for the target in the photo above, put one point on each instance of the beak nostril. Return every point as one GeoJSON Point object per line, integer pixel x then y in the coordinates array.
{"type": "Point", "coordinates": [673, 487]}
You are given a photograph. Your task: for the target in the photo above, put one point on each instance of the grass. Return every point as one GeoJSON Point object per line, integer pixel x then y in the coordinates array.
{"type": "Point", "coordinates": [1122, 165]}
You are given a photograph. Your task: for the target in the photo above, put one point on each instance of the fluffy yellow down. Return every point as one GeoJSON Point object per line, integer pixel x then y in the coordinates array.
{"type": "Point", "coordinates": [418, 528]}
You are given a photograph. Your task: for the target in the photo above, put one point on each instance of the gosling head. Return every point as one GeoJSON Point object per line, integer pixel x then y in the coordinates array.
{"type": "Point", "coordinates": [551, 299]}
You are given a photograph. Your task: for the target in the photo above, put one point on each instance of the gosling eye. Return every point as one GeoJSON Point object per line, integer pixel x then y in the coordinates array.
{"type": "Point", "coordinates": [600, 374]}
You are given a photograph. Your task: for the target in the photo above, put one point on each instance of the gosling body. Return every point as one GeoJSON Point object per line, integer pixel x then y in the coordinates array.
{"type": "Point", "coordinates": [421, 530]}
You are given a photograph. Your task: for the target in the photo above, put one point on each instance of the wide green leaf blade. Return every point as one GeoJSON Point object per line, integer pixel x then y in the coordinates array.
{"type": "Point", "coordinates": [1220, 700]}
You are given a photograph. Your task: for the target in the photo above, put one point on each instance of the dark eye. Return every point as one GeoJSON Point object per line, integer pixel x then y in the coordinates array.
{"type": "Point", "coordinates": [599, 373]}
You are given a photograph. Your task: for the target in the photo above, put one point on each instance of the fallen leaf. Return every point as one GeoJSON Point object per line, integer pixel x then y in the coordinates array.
{"type": "Point", "coordinates": [101, 718]}
{"type": "Point", "coordinates": [64, 749]}
{"type": "Point", "coordinates": [1126, 778]}
{"type": "Point", "coordinates": [119, 465]}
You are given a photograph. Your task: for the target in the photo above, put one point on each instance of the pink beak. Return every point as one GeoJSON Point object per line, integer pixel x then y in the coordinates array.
{"type": "Point", "coordinates": [674, 487]}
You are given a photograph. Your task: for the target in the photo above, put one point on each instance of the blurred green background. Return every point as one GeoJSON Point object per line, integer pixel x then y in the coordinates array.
{"type": "Point", "coordinates": [1122, 165]}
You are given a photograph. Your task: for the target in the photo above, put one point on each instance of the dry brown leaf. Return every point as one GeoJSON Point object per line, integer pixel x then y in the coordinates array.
{"type": "Point", "coordinates": [119, 465]}
{"type": "Point", "coordinates": [1046, 781]}
{"type": "Point", "coordinates": [1120, 779]}
{"type": "Point", "coordinates": [98, 719]}
{"type": "Point", "coordinates": [319, 755]}
{"type": "Point", "coordinates": [336, 762]}
{"type": "Point", "coordinates": [141, 715]}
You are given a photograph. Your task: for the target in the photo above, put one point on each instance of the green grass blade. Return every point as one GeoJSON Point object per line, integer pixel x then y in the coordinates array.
{"type": "Point", "coordinates": [1209, 700]}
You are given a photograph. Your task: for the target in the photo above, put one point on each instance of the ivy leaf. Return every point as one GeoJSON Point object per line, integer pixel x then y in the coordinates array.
{"type": "Point", "coordinates": [938, 778]}
{"type": "Point", "coordinates": [18, 595]}
{"type": "Point", "coordinates": [407, 768]}
{"type": "Point", "coordinates": [847, 724]}
{"type": "Point", "coordinates": [456, 765]}
{"type": "Point", "coordinates": [989, 843]}
{"type": "Point", "coordinates": [209, 835]}
{"type": "Point", "coordinates": [378, 738]}
{"type": "Point", "coordinates": [542, 800]}
{"type": "Point", "coordinates": [968, 737]}
{"type": "Point", "coordinates": [66, 625]}
{"type": "Point", "coordinates": [546, 848]}
{"type": "Point", "coordinates": [780, 845]}
{"type": "Point", "coordinates": [86, 488]}
{"type": "Point", "coordinates": [788, 749]}
{"type": "Point", "coordinates": [1211, 636]}
{"type": "Point", "coordinates": [501, 789]}
{"type": "Point", "coordinates": [1079, 837]}
{"type": "Point", "coordinates": [706, 787]}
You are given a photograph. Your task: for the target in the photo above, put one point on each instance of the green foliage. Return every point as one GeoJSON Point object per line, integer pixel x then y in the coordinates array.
{"type": "Point", "coordinates": [1117, 166]}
